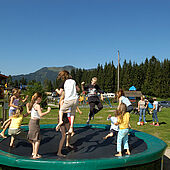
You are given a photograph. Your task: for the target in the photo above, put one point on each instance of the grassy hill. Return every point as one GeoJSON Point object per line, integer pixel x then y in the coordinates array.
{"type": "Point", "coordinates": [49, 73]}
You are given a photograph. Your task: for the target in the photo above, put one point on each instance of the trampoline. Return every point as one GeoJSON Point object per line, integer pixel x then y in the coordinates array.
{"type": "Point", "coordinates": [90, 151]}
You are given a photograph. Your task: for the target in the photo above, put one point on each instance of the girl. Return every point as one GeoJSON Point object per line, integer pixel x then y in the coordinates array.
{"type": "Point", "coordinates": [63, 128]}
{"type": "Point", "coordinates": [154, 114]}
{"type": "Point", "coordinates": [34, 127]}
{"type": "Point", "coordinates": [123, 122]}
{"type": "Point", "coordinates": [13, 103]}
{"type": "Point", "coordinates": [14, 128]}
{"type": "Point", "coordinates": [125, 100]}
{"type": "Point", "coordinates": [71, 98]}
{"type": "Point", "coordinates": [113, 128]}
{"type": "Point", "coordinates": [141, 109]}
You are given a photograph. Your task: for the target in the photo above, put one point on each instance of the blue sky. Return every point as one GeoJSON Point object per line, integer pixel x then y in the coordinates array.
{"type": "Point", "coordinates": [82, 33]}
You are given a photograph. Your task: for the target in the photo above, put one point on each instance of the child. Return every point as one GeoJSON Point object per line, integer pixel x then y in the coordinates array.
{"type": "Point", "coordinates": [93, 98]}
{"type": "Point", "coordinates": [14, 128]}
{"type": "Point", "coordinates": [113, 128]}
{"type": "Point", "coordinates": [34, 127]}
{"type": "Point", "coordinates": [142, 109]}
{"type": "Point", "coordinates": [63, 128]}
{"type": "Point", "coordinates": [123, 122]}
{"type": "Point", "coordinates": [14, 103]}
{"type": "Point", "coordinates": [125, 100]}
{"type": "Point", "coordinates": [154, 114]}
{"type": "Point", "coordinates": [71, 98]}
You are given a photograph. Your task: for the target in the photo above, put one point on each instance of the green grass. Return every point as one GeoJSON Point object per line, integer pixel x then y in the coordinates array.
{"type": "Point", "coordinates": [161, 132]}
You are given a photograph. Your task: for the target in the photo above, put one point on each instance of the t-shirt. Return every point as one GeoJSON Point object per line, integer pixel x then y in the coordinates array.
{"type": "Point", "coordinates": [156, 105]}
{"type": "Point", "coordinates": [113, 126]}
{"type": "Point", "coordinates": [124, 122]}
{"type": "Point", "coordinates": [16, 122]}
{"type": "Point", "coordinates": [125, 100]}
{"type": "Point", "coordinates": [69, 87]}
{"type": "Point", "coordinates": [141, 104]}
{"type": "Point", "coordinates": [92, 92]}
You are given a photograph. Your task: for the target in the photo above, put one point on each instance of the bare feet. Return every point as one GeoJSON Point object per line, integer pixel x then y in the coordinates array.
{"type": "Point", "coordinates": [119, 154]}
{"type": "Point", "coordinates": [58, 126]}
{"type": "Point", "coordinates": [105, 138]}
{"type": "Point", "coordinates": [61, 155]}
{"type": "Point", "coordinates": [2, 135]}
{"type": "Point", "coordinates": [37, 156]}
{"type": "Point", "coordinates": [70, 146]}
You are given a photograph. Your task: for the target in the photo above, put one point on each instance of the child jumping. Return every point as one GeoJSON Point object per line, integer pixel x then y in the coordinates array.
{"type": "Point", "coordinates": [14, 129]}
{"type": "Point", "coordinates": [113, 128]}
{"type": "Point", "coordinates": [123, 122]}
{"type": "Point", "coordinates": [93, 98]}
{"type": "Point", "coordinates": [34, 127]}
{"type": "Point", "coordinates": [71, 98]}
{"type": "Point", "coordinates": [13, 103]}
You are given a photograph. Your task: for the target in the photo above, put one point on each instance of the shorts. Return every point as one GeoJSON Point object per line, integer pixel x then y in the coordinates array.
{"type": "Point", "coordinates": [70, 104]}
{"type": "Point", "coordinates": [17, 133]}
{"type": "Point", "coordinates": [114, 132]}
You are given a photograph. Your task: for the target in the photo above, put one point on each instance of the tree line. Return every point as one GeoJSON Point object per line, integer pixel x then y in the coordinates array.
{"type": "Point", "coordinates": [152, 77]}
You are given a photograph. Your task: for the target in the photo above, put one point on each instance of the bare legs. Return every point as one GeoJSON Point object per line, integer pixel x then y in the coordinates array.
{"type": "Point", "coordinates": [2, 134]}
{"type": "Point", "coordinates": [60, 120]}
{"type": "Point", "coordinates": [63, 133]}
{"type": "Point", "coordinates": [108, 135]}
{"type": "Point", "coordinates": [35, 147]}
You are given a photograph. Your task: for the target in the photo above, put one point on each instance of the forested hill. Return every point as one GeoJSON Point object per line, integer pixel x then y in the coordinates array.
{"type": "Point", "coordinates": [49, 73]}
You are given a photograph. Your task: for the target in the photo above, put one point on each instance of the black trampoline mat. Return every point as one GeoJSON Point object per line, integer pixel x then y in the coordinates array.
{"type": "Point", "coordinates": [88, 144]}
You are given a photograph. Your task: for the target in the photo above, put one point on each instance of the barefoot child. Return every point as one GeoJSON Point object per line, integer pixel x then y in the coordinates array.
{"type": "Point", "coordinates": [14, 128]}
{"type": "Point", "coordinates": [113, 128]}
{"type": "Point", "coordinates": [123, 122]}
{"type": "Point", "coordinates": [71, 98]}
{"type": "Point", "coordinates": [13, 103]}
{"type": "Point", "coordinates": [34, 127]}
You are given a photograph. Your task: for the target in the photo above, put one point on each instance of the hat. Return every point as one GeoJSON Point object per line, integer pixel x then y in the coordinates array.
{"type": "Point", "coordinates": [154, 98]}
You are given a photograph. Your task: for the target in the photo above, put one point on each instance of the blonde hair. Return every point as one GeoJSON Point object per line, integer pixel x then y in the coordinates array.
{"type": "Point", "coordinates": [15, 91]}
{"type": "Point", "coordinates": [33, 99]}
{"type": "Point", "coordinates": [94, 79]}
{"type": "Point", "coordinates": [122, 110]}
{"type": "Point", "coordinates": [18, 111]}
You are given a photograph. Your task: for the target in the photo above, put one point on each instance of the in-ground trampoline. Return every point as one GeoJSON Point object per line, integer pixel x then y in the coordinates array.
{"type": "Point", "coordinates": [90, 151]}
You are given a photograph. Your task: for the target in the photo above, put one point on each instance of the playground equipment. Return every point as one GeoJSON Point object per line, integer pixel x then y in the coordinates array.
{"type": "Point", "coordinates": [91, 151]}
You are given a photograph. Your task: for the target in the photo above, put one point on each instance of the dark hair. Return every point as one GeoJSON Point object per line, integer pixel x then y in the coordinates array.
{"type": "Point", "coordinates": [120, 93]}
{"type": "Point", "coordinates": [64, 75]}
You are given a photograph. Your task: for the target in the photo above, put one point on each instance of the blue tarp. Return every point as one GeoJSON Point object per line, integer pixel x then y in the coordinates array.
{"type": "Point", "coordinates": [133, 88]}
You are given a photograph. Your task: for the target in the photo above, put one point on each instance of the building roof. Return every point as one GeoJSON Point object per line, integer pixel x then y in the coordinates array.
{"type": "Point", "coordinates": [3, 76]}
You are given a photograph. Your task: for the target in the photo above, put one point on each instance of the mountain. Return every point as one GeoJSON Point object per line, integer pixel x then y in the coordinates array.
{"type": "Point", "coordinates": [49, 73]}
